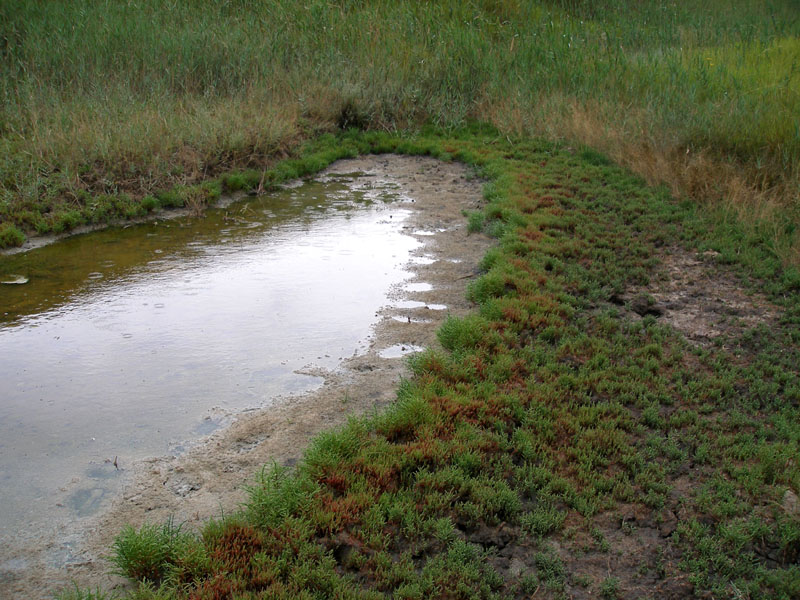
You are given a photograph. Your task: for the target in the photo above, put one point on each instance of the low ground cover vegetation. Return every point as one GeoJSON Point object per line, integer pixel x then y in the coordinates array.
{"type": "Point", "coordinates": [564, 442]}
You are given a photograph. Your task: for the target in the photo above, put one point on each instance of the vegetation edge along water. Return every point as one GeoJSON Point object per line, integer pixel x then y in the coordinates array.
{"type": "Point", "coordinates": [560, 443]}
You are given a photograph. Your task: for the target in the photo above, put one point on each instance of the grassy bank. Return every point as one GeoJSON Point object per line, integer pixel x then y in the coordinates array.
{"type": "Point", "coordinates": [103, 104]}
{"type": "Point", "coordinates": [565, 442]}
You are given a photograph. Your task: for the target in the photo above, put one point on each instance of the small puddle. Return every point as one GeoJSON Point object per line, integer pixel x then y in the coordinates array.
{"type": "Point", "coordinates": [12, 279]}
{"type": "Point", "coordinates": [418, 304]}
{"type": "Point", "coordinates": [119, 344]}
{"type": "Point", "coordinates": [399, 350]}
{"type": "Point", "coordinates": [418, 287]}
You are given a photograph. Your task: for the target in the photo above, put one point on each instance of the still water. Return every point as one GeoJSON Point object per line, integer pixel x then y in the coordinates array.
{"type": "Point", "coordinates": [131, 342]}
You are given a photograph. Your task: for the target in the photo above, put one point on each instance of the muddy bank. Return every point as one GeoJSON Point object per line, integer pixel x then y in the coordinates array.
{"type": "Point", "coordinates": [39, 241]}
{"type": "Point", "coordinates": [209, 478]}
{"type": "Point", "coordinates": [698, 298]}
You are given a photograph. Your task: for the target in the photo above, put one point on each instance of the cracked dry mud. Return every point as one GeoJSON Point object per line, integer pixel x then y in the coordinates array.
{"type": "Point", "coordinates": [210, 478]}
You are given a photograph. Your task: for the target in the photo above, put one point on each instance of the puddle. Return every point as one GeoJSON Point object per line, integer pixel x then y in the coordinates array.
{"type": "Point", "coordinates": [418, 304]}
{"type": "Point", "coordinates": [121, 340]}
{"type": "Point", "coordinates": [418, 287]}
{"type": "Point", "coordinates": [14, 280]}
{"type": "Point", "coordinates": [399, 350]}
{"type": "Point", "coordinates": [237, 350]}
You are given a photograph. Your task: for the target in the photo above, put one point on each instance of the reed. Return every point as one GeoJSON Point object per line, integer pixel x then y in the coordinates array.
{"type": "Point", "coordinates": [142, 95]}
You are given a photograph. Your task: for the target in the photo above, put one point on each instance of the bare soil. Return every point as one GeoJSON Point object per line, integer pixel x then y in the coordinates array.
{"type": "Point", "coordinates": [210, 479]}
{"type": "Point", "coordinates": [699, 298]}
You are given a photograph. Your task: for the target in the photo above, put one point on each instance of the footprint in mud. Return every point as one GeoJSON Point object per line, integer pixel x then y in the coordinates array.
{"type": "Point", "coordinates": [107, 471]}
{"type": "Point", "coordinates": [12, 569]}
{"type": "Point", "coordinates": [246, 445]}
{"type": "Point", "coordinates": [183, 487]}
{"type": "Point", "coordinates": [86, 501]}
{"type": "Point", "coordinates": [408, 319]}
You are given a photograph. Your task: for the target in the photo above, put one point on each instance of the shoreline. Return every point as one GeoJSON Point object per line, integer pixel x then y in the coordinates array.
{"type": "Point", "coordinates": [164, 214]}
{"type": "Point", "coordinates": [210, 476]}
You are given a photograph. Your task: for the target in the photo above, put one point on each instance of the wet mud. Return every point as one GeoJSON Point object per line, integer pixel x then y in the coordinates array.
{"type": "Point", "coordinates": [700, 299]}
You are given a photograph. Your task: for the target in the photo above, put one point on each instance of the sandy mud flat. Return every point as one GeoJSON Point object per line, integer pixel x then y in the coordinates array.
{"type": "Point", "coordinates": [209, 479]}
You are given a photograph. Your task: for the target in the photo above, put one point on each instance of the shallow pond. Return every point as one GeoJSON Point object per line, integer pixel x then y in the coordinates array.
{"type": "Point", "coordinates": [128, 342]}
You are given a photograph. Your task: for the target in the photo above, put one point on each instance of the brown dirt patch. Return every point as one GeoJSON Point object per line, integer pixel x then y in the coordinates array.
{"type": "Point", "coordinates": [699, 298]}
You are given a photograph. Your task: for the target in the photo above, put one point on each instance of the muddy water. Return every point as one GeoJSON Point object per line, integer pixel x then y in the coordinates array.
{"type": "Point", "coordinates": [127, 343]}
{"type": "Point", "coordinates": [212, 474]}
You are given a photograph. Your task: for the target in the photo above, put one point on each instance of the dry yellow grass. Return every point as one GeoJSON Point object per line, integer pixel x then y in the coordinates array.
{"type": "Point", "coordinates": [739, 189]}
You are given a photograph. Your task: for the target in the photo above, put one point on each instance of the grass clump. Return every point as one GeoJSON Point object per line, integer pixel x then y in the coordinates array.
{"type": "Point", "coordinates": [609, 588]}
{"type": "Point", "coordinates": [10, 236]}
{"type": "Point", "coordinates": [76, 593]}
{"type": "Point", "coordinates": [152, 552]}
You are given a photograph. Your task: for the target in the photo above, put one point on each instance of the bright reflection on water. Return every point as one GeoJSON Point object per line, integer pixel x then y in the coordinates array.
{"type": "Point", "coordinates": [124, 340]}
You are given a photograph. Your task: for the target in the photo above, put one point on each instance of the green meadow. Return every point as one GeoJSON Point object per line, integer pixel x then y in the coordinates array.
{"type": "Point", "coordinates": [564, 441]}
{"type": "Point", "coordinates": [102, 104]}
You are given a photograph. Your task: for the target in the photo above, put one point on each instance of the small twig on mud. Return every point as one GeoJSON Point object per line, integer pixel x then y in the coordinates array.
{"type": "Point", "coordinates": [116, 466]}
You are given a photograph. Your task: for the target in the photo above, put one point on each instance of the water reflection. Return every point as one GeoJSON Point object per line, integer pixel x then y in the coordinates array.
{"type": "Point", "coordinates": [122, 340]}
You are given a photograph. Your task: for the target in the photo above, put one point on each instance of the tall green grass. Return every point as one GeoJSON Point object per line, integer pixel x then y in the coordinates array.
{"type": "Point", "coordinates": [137, 95]}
